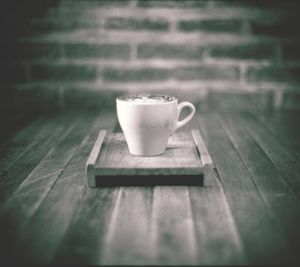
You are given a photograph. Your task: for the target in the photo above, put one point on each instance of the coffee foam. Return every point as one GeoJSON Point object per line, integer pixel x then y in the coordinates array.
{"type": "Point", "coordinates": [147, 98]}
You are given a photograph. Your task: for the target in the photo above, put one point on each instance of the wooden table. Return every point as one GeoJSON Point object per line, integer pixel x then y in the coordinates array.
{"type": "Point", "coordinates": [247, 212]}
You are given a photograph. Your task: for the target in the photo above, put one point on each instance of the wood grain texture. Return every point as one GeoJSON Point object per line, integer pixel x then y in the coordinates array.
{"type": "Point", "coordinates": [246, 212]}
{"type": "Point", "coordinates": [23, 202]}
{"type": "Point", "coordinates": [172, 227]}
{"type": "Point", "coordinates": [20, 142]}
{"type": "Point", "coordinates": [90, 165]}
{"type": "Point", "coordinates": [127, 240]}
{"type": "Point", "coordinates": [84, 241]}
{"type": "Point", "coordinates": [273, 189]}
{"type": "Point", "coordinates": [181, 157]}
{"type": "Point", "coordinates": [122, 230]}
{"type": "Point", "coordinates": [283, 124]}
{"type": "Point", "coordinates": [202, 150]}
{"type": "Point", "coordinates": [48, 137]}
{"type": "Point", "coordinates": [43, 233]}
{"type": "Point", "coordinates": [111, 164]}
{"type": "Point", "coordinates": [26, 199]}
{"type": "Point", "coordinates": [217, 238]}
{"type": "Point", "coordinates": [282, 156]}
{"type": "Point", "coordinates": [264, 240]}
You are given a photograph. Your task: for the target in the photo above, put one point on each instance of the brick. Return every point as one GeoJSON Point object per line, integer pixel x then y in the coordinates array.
{"type": "Point", "coordinates": [121, 51]}
{"type": "Point", "coordinates": [213, 25]}
{"type": "Point", "coordinates": [276, 29]}
{"type": "Point", "coordinates": [181, 73]}
{"type": "Point", "coordinates": [12, 73]}
{"type": "Point", "coordinates": [167, 51]}
{"type": "Point", "coordinates": [207, 73]}
{"type": "Point", "coordinates": [257, 52]}
{"type": "Point", "coordinates": [266, 4]}
{"type": "Point", "coordinates": [83, 4]}
{"type": "Point", "coordinates": [135, 74]}
{"type": "Point", "coordinates": [274, 74]}
{"type": "Point", "coordinates": [172, 3]}
{"type": "Point", "coordinates": [81, 98]}
{"type": "Point", "coordinates": [118, 23]}
{"type": "Point", "coordinates": [291, 52]}
{"type": "Point", "coordinates": [107, 3]}
{"type": "Point", "coordinates": [62, 72]}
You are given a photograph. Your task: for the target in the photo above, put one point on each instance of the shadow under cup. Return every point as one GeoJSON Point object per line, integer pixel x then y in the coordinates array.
{"type": "Point", "coordinates": [148, 122]}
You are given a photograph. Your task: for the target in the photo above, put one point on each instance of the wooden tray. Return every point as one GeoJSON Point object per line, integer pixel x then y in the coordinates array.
{"type": "Point", "coordinates": [111, 164]}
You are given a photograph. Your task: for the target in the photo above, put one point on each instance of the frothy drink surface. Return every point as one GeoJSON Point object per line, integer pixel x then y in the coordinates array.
{"type": "Point", "coordinates": [147, 98]}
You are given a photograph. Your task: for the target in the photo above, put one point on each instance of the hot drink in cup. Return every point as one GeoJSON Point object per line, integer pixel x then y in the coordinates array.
{"type": "Point", "coordinates": [147, 121]}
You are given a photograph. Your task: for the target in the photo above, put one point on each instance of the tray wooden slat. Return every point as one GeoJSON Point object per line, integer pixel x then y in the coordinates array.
{"type": "Point", "coordinates": [186, 155]}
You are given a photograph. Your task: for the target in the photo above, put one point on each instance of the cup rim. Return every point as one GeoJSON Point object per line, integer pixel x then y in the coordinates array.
{"type": "Point", "coordinates": [149, 103]}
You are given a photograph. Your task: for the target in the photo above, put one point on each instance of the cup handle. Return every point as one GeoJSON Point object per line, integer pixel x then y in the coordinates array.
{"type": "Point", "coordinates": [187, 118]}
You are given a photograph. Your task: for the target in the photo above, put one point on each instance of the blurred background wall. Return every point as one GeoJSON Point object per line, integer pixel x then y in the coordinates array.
{"type": "Point", "coordinates": [83, 53]}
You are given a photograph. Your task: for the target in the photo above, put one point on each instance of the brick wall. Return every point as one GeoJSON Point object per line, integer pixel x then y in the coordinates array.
{"type": "Point", "coordinates": [84, 53]}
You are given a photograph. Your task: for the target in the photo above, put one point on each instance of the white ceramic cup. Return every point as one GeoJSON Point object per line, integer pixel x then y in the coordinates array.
{"type": "Point", "coordinates": [147, 126]}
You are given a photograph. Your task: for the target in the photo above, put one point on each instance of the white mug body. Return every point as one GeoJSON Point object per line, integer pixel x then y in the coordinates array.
{"type": "Point", "coordinates": [147, 126]}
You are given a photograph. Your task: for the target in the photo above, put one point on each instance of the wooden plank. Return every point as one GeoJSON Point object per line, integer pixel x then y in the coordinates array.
{"type": "Point", "coordinates": [50, 135]}
{"type": "Point", "coordinates": [217, 238]}
{"type": "Point", "coordinates": [123, 230]}
{"type": "Point", "coordinates": [274, 190]}
{"type": "Point", "coordinates": [96, 149]}
{"type": "Point", "coordinates": [181, 153]}
{"type": "Point", "coordinates": [115, 166]}
{"type": "Point", "coordinates": [283, 124]}
{"type": "Point", "coordinates": [202, 150]}
{"type": "Point", "coordinates": [20, 142]}
{"type": "Point", "coordinates": [172, 234]}
{"type": "Point", "coordinates": [38, 183]}
{"type": "Point", "coordinates": [264, 240]}
{"type": "Point", "coordinates": [40, 238]}
{"type": "Point", "coordinates": [84, 241]}
{"type": "Point", "coordinates": [118, 225]}
{"type": "Point", "coordinates": [25, 200]}
{"type": "Point", "coordinates": [130, 218]}
{"type": "Point", "coordinates": [102, 227]}
{"type": "Point", "coordinates": [13, 216]}
{"type": "Point", "coordinates": [218, 241]}
{"type": "Point", "coordinates": [128, 230]}
{"type": "Point", "coordinates": [281, 155]}
{"type": "Point", "coordinates": [90, 165]}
